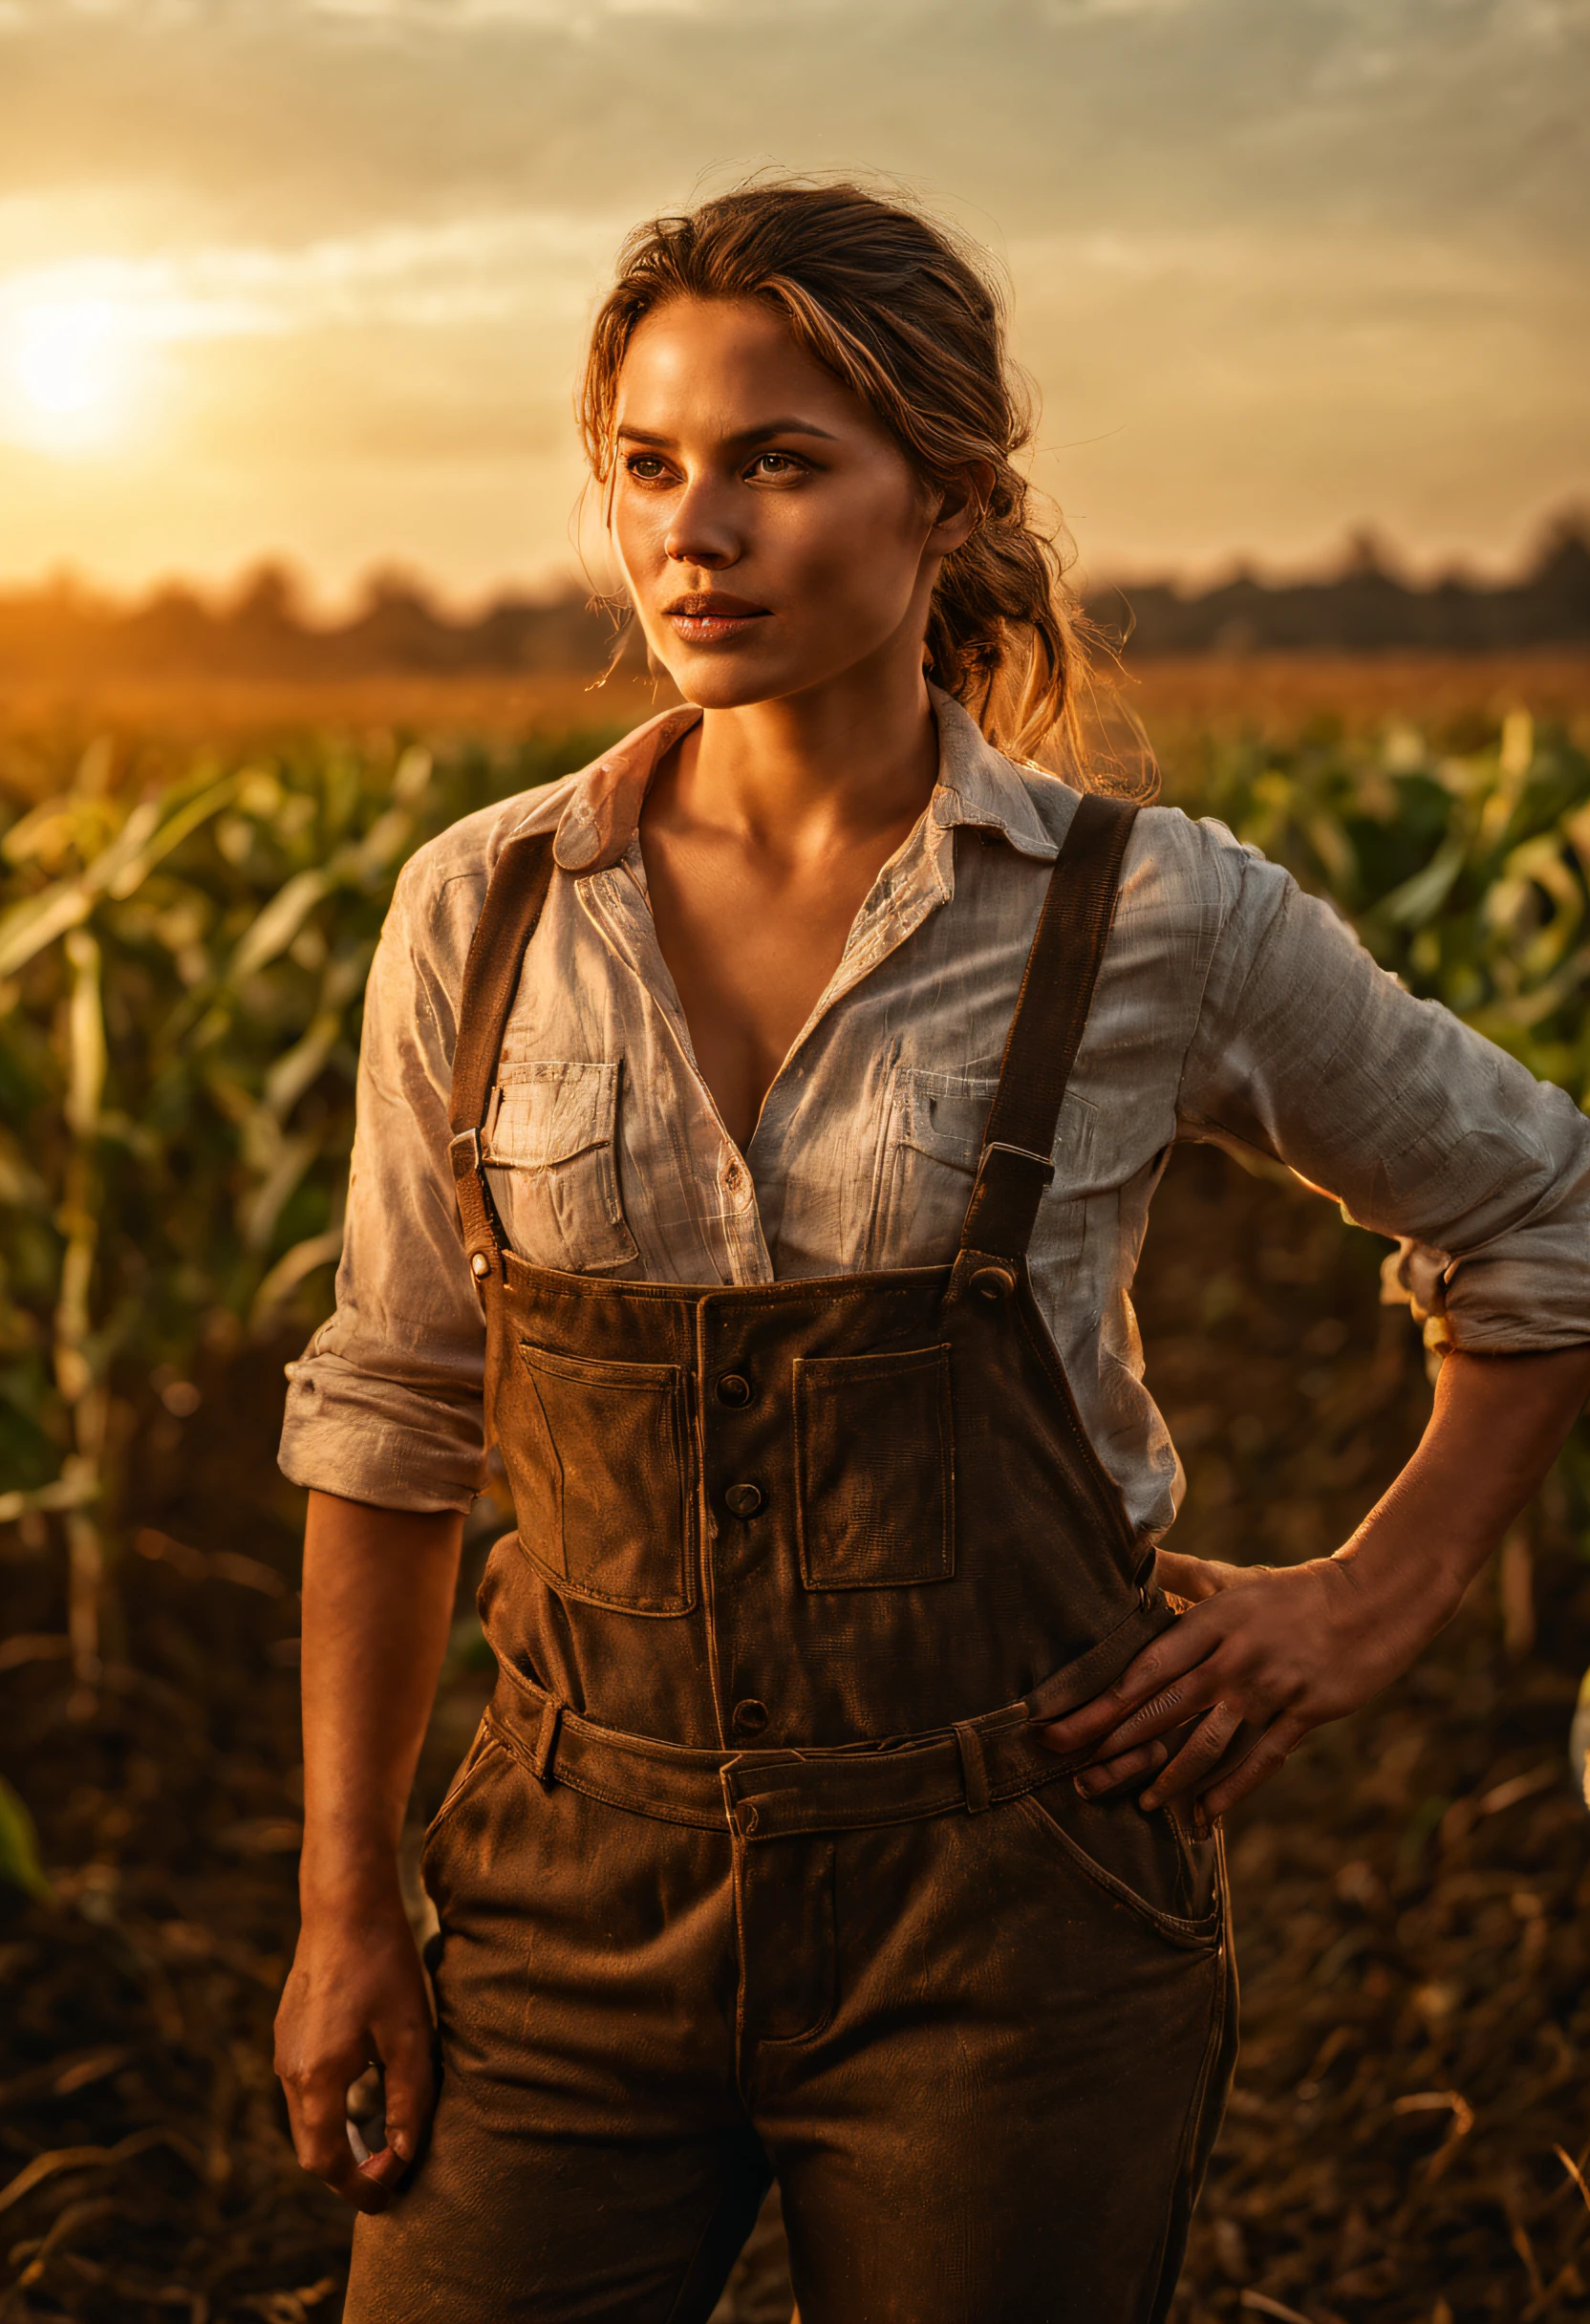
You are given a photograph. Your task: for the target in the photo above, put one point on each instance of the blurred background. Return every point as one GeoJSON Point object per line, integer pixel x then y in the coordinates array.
{"type": "Point", "coordinates": [293, 295]}
{"type": "Point", "coordinates": [307, 279]}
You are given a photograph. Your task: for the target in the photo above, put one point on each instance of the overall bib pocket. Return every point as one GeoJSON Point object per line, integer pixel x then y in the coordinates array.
{"type": "Point", "coordinates": [550, 1148]}
{"type": "Point", "coordinates": [874, 1469]}
{"type": "Point", "coordinates": [600, 1477]}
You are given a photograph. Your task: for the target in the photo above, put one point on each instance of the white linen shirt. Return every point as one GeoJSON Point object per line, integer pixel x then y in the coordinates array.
{"type": "Point", "coordinates": [1230, 1006]}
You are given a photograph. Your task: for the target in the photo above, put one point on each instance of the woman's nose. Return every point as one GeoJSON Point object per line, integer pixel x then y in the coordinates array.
{"type": "Point", "coordinates": [699, 533]}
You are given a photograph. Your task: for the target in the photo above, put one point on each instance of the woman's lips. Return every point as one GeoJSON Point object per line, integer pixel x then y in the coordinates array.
{"type": "Point", "coordinates": [712, 618]}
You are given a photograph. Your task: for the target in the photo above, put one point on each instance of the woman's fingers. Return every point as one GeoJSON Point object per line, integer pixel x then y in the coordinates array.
{"type": "Point", "coordinates": [1164, 1715]}
{"type": "Point", "coordinates": [1209, 1742]}
{"type": "Point", "coordinates": [1108, 1774]}
{"type": "Point", "coordinates": [1195, 1578]}
{"type": "Point", "coordinates": [410, 2088]}
{"type": "Point", "coordinates": [1147, 1697]}
{"type": "Point", "coordinates": [339, 2018]}
{"type": "Point", "coordinates": [1272, 1751]}
{"type": "Point", "coordinates": [316, 2092]}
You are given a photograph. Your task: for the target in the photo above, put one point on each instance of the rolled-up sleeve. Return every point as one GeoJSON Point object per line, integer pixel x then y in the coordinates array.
{"type": "Point", "coordinates": [1420, 1128]}
{"type": "Point", "coordinates": [385, 1404]}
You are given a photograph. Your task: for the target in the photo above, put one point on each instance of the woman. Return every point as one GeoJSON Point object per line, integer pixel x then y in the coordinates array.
{"type": "Point", "coordinates": [799, 1076]}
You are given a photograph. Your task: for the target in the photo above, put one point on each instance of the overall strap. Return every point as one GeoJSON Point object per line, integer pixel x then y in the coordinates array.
{"type": "Point", "coordinates": [513, 906]}
{"type": "Point", "coordinates": [1052, 1009]}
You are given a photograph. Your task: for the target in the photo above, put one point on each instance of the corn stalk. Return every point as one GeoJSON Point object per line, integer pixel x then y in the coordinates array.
{"type": "Point", "coordinates": [183, 955]}
{"type": "Point", "coordinates": [182, 958]}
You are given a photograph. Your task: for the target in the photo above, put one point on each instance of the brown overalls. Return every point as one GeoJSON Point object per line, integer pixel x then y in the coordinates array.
{"type": "Point", "coordinates": [755, 1864]}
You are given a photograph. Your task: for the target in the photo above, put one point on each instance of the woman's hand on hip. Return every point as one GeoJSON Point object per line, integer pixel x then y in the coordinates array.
{"type": "Point", "coordinates": [1216, 1703]}
{"type": "Point", "coordinates": [1219, 1701]}
{"type": "Point", "coordinates": [355, 1997]}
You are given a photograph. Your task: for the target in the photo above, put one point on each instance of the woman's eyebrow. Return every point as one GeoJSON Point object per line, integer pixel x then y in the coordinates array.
{"type": "Point", "coordinates": [782, 427]}
{"type": "Point", "coordinates": [760, 434]}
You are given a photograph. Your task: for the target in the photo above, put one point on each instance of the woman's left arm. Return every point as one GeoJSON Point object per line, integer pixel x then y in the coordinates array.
{"type": "Point", "coordinates": [1216, 1703]}
{"type": "Point", "coordinates": [1422, 1130]}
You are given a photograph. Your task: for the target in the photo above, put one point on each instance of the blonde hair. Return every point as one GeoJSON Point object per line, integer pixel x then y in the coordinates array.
{"type": "Point", "coordinates": [913, 322]}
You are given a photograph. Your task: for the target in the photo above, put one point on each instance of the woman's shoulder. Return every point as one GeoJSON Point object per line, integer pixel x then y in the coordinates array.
{"type": "Point", "coordinates": [1199, 848]}
{"type": "Point", "coordinates": [441, 887]}
{"type": "Point", "coordinates": [469, 849]}
{"type": "Point", "coordinates": [1174, 861]}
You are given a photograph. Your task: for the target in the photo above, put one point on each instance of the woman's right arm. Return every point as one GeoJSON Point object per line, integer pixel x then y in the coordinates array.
{"type": "Point", "coordinates": [378, 1588]}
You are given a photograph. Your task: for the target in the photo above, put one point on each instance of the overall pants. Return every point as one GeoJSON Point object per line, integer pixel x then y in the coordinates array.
{"type": "Point", "coordinates": [754, 1864]}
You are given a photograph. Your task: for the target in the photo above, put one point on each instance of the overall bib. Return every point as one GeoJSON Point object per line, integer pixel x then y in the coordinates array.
{"type": "Point", "coordinates": [755, 1864]}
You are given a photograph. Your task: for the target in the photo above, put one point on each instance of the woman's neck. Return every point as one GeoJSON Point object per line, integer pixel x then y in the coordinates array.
{"type": "Point", "coordinates": [858, 754]}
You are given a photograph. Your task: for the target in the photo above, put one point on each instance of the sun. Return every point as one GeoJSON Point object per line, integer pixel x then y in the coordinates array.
{"type": "Point", "coordinates": [70, 370]}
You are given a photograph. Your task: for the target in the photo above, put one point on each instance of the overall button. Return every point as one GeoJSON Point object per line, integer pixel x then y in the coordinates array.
{"type": "Point", "coordinates": [994, 1283]}
{"type": "Point", "coordinates": [749, 1717]}
{"type": "Point", "coordinates": [745, 1500]}
{"type": "Point", "coordinates": [734, 1389]}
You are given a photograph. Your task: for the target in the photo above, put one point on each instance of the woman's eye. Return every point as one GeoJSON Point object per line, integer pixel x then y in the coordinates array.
{"type": "Point", "coordinates": [644, 466]}
{"type": "Point", "coordinates": [776, 466]}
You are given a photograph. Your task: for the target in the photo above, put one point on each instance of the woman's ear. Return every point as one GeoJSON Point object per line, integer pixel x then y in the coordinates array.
{"type": "Point", "coordinates": [961, 506]}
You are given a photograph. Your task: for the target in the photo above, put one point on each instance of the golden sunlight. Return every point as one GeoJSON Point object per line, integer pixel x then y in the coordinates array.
{"type": "Point", "coordinates": [70, 370]}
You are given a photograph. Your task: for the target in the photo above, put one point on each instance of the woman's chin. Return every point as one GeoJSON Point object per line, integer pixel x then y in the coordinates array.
{"type": "Point", "coordinates": [734, 681]}
{"type": "Point", "coordinates": [729, 681]}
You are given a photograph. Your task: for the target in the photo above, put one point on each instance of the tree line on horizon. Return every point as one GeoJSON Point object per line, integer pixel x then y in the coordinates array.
{"type": "Point", "coordinates": [64, 632]}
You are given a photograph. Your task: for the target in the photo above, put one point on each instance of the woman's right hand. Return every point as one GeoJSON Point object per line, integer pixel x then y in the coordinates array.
{"type": "Point", "coordinates": [355, 1997]}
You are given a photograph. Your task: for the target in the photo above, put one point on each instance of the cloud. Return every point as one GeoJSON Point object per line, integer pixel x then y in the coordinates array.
{"type": "Point", "coordinates": [270, 110]}
{"type": "Point", "coordinates": [1279, 256]}
{"type": "Point", "coordinates": [471, 269]}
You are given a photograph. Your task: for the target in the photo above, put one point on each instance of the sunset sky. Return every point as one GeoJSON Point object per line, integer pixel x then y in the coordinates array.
{"type": "Point", "coordinates": [309, 277]}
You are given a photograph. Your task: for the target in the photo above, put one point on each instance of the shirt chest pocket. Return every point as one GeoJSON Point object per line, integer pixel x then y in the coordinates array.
{"type": "Point", "coordinates": [552, 1155]}
{"type": "Point", "coordinates": [931, 1142]}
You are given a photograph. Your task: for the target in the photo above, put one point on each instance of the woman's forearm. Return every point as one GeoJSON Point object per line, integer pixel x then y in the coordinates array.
{"type": "Point", "coordinates": [1212, 1705]}
{"type": "Point", "coordinates": [378, 1588]}
{"type": "Point", "coordinates": [1498, 1425]}
{"type": "Point", "coordinates": [378, 1602]}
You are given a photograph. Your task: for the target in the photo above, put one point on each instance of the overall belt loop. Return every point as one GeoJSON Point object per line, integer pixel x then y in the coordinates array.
{"type": "Point", "coordinates": [545, 1749]}
{"type": "Point", "coordinates": [974, 1766]}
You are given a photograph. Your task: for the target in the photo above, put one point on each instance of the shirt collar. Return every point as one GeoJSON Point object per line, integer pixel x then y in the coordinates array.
{"type": "Point", "coordinates": [977, 785]}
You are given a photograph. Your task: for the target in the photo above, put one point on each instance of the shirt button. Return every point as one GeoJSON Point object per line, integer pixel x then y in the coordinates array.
{"type": "Point", "coordinates": [731, 1177]}
{"type": "Point", "coordinates": [749, 1717]}
{"type": "Point", "coordinates": [734, 1389]}
{"type": "Point", "coordinates": [744, 1500]}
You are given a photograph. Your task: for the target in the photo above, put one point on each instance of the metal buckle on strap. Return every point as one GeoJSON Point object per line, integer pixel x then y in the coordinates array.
{"type": "Point", "coordinates": [1022, 1153]}
{"type": "Point", "coordinates": [467, 1152]}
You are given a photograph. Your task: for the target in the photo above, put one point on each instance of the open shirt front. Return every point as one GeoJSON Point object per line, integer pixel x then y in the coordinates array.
{"type": "Point", "coordinates": [1230, 1006]}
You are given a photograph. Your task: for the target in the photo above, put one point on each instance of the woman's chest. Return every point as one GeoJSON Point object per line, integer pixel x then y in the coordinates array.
{"type": "Point", "coordinates": [608, 1155]}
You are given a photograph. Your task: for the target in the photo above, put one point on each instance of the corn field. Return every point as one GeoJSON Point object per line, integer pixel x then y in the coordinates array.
{"type": "Point", "coordinates": [182, 956]}
{"type": "Point", "coordinates": [182, 961]}
{"type": "Point", "coordinates": [183, 943]}
{"type": "Point", "coordinates": [184, 950]}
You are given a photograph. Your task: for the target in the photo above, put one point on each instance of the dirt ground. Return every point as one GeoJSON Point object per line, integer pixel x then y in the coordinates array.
{"type": "Point", "coordinates": [1410, 1891]}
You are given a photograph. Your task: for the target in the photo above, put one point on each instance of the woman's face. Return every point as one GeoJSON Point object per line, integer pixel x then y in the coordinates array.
{"type": "Point", "coordinates": [772, 534]}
